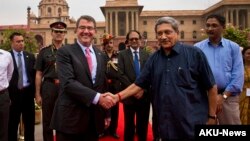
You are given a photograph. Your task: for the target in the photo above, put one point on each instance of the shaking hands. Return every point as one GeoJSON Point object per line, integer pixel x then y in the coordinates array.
{"type": "Point", "coordinates": [107, 100]}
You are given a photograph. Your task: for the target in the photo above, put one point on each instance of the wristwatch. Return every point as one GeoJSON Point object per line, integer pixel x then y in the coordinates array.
{"type": "Point", "coordinates": [225, 96]}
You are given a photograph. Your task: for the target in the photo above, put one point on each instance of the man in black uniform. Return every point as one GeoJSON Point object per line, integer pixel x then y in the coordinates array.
{"type": "Point", "coordinates": [47, 83]}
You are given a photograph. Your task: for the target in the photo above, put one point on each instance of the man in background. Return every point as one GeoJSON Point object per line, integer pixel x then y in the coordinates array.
{"type": "Point", "coordinates": [22, 89]}
{"type": "Point", "coordinates": [6, 70]}
{"type": "Point", "coordinates": [225, 59]}
{"type": "Point", "coordinates": [47, 82]}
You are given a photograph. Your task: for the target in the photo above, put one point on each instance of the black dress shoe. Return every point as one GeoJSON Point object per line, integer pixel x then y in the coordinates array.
{"type": "Point", "coordinates": [115, 136]}
{"type": "Point", "coordinates": [101, 135]}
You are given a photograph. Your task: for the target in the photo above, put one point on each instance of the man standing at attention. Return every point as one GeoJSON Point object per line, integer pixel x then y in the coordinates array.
{"type": "Point", "coordinates": [79, 114]}
{"type": "Point", "coordinates": [22, 89]}
{"type": "Point", "coordinates": [6, 70]}
{"type": "Point", "coordinates": [182, 85]}
{"type": "Point", "coordinates": [47, 82]}
{"type": "Point", "coordinates": [225, 59]}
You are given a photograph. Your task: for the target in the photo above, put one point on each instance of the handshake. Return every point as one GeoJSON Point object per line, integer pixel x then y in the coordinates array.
{"type": "Point", "coordinates": [108, 100]}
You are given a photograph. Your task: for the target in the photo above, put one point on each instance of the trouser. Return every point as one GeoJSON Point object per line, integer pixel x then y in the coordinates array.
{"type": "Point", "coordinates": [4, 114]}
{"type": "Point", "coordinates": [49, 96]}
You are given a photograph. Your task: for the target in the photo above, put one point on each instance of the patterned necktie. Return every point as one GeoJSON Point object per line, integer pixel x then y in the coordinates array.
{"type": "Point", "coordinates": [136, 64]}
{"type": "Point", "coordinates": [20, 71]}
{"type": "Point", "coordinates": [89, 59]}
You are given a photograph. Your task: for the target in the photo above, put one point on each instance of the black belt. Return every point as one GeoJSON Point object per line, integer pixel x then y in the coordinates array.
{"type": "Point", "coordinates": [3, 91]}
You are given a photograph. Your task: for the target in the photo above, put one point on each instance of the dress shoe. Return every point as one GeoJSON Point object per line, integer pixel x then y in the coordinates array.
{"type": "Point", "coordinates": [101, 135]}
{"type": "Point", "coordinates": [114, 135]}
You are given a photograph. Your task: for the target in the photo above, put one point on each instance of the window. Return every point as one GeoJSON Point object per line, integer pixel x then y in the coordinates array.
{"type": "Point", "coordinates": [182, 35]}
{"type": "Point", "coordinates": [194, 34]}
{"type": "Point", "coordinates": [145, 23]}
{"type": "Point", "coordinates": [65, 41]}
{"type": "Point", "coordinates": [145, 34]}
{"type": "Point", "coordinates": [194, 21]}
{"type": "Point", "coordinates": [182, 22]}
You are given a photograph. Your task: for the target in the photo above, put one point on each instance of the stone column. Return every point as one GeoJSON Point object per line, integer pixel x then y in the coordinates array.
{"type": "Point", "coordinates": [232, 17]}
{"type": "Point", "coordinates": [248, 18]}
{"type": "Point", "coordinates": [107, 22]}
{"type": "Point", "coordinates": [132, 20]}
{"type": "Point", "coordinates": [237, 18]}
{"type": "Point", "coordinates": [116, 23]}
{"type": "Point", "coordinates": [136, 20]}
{"type": "Point", "coordinates": [127, 24]}
{"type": "Point", "coordinates": [111, 23]}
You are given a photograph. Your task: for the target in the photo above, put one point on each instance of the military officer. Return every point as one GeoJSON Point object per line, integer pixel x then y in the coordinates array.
{"type": "Point", "coordinates": [47, 83]}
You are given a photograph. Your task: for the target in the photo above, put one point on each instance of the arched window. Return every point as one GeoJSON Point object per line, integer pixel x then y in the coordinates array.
{"type": "Point", "coordinates": [59, 11]}
{"type": "Point", "coordinates": [49, 11]}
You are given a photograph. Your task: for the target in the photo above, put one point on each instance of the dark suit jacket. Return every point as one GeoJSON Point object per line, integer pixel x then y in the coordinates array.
{"type": "Point", "coordinates": [74, 112]}
{"type": "Point", "coordinates": [126, 68]}
{"type": "Point", "coordinates": [30, 71]}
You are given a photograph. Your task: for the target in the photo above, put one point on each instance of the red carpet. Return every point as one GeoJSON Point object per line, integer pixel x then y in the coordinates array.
{"type": "Point", "coordinates": [121, 127]}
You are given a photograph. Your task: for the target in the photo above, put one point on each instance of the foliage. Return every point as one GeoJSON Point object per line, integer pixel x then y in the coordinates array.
{"type": "Point", "coordinates": [29, 40]}
{"type": "Point", "coordinates": [237, 35]}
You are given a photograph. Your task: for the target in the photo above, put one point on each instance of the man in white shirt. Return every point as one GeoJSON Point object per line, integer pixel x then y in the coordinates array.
{"type": "Point", "coordinates": [6, 70]}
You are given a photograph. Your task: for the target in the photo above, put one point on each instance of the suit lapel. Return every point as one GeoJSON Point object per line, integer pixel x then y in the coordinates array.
{"type": "Point", "coordinates": [99, 65]}
{"type": "Point", "coordinates": [131, 60]}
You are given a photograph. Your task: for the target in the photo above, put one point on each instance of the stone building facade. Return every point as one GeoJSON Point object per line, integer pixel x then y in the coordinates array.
{"type": "Point", "coordinates": [124, 15]}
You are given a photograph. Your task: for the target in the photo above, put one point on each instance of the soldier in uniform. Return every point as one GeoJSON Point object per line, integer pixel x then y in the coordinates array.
{"type": "Point", "coordinates": [47, 82]}
{"type": "Point", "coordinates": [112, 81]}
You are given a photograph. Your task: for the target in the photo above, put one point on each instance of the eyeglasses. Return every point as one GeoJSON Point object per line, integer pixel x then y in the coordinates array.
{"type": "Point", "coordinates": [132, 39]}
{"type": "Point", "coordinates": [57, 31]}
{"type": "Point", "coordinates": [212, 26]}
{"type": "Point", "coordinates": [89, 28]}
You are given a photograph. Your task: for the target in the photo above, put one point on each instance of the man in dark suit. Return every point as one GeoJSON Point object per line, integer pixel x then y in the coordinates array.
{"type": "Point", "coordinates": [79, 113]}
{"type": "Point", "coordinates": [130, 62]}
{"type": "Point", "coordinates": [21, 89]}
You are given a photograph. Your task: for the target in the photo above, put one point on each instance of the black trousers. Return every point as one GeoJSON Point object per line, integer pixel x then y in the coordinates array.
{"type": "Point", "coordinates": [49, 95]}
{"type": "Point", "coordinates": [22, 103]}
{"type": "Point", "coordinates": [140, 111]}
{"type": "Point", "coordinates": [4, 114]}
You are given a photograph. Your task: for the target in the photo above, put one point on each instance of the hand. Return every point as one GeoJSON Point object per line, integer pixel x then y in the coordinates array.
{"type": "Point", "coordinates": [107, 122]}
{"type": "Point", "coordinates": [38, 99]}
{"type": "Point", "coordinates": [139, 94]}
{"type": "Point", "coordinates": [106, 101]}
{"type": "Point", "coordinates": [220, 101]}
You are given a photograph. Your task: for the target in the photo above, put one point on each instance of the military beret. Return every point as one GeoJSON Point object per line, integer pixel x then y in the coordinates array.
{"type": "Point", "coordinates": [60, 26]}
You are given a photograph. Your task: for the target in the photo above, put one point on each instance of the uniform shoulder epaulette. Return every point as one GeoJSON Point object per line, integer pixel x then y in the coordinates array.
{"type": "Point", "coordinates": [42, 48]}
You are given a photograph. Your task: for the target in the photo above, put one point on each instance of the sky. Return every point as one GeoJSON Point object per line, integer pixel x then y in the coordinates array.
{"type": "Point", "coordinates": [14, 12]}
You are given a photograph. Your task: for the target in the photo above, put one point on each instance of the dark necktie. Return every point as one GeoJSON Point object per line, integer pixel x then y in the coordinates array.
{"type": "Point", "coordinates": [136, 64]}
{"type": "Point", "coordinates": [20, 71]}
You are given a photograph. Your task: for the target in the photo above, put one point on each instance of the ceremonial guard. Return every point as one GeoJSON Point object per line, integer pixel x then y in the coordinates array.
{"type": "Point", "coordinates": [112, 81]}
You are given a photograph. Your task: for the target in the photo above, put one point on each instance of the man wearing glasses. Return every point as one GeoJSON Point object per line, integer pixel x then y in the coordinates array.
{"type": "Point", "coordinates": [47, 82]}
{"type": "Point", "coordinates": [131, 61]}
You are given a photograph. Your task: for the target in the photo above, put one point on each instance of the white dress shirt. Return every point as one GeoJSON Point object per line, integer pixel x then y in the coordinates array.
{"type": "Point", "coordinates": [6, 69]}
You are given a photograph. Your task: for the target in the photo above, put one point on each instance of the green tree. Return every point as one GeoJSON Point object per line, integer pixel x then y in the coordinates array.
{"type": "Point", "coordinates": [29, 40]}
{"type": "Point", "coordinates": [237, 35]}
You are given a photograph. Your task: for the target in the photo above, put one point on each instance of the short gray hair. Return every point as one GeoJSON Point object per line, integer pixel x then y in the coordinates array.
{"type": "Point", "coordinates": [168, 20]}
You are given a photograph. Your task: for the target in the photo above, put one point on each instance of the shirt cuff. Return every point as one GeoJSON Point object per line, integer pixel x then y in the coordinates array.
{"type": "Point", "coordinates": [96, 99]}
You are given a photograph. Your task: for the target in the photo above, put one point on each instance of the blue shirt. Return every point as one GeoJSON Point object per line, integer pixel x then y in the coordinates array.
{"type": "Point", "coordinates": [226, 63]}
{"type": "Point", "coordinates": [179, 84]}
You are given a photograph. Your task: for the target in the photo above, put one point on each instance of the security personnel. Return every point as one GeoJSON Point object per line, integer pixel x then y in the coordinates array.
{"type": "Point", "coordinates": [47, 82]}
